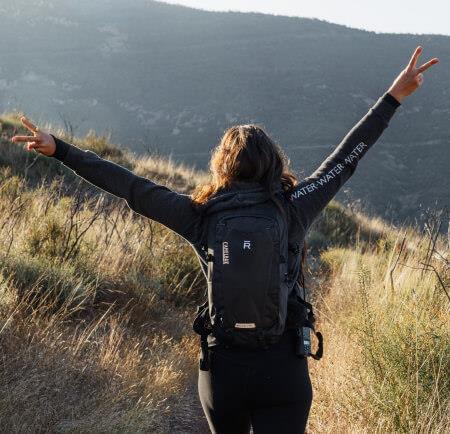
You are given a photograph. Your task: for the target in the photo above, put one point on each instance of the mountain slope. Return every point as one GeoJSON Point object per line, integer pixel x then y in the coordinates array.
{"type": "Point", "coordinates": [171, 79]}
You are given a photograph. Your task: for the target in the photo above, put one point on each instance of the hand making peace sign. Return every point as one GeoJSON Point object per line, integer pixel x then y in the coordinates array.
{"type": "Point", "coordinates": [40, 141]}
{"type": "Point", "coordinates": [411, 78]}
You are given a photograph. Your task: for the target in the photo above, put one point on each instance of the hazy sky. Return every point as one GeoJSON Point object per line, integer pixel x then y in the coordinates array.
{"type": "Point", "coordinates": [393, 16]}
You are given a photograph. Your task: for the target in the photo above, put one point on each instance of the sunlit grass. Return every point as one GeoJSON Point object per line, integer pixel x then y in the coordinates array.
{"type": "Point", "coordinates": [387, 329]}
{"type": "Point", "coordinates": [96, 304]}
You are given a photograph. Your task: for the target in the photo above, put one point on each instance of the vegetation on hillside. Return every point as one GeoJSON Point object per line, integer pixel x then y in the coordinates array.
{"type": "Point", "coordinates": [96, 304]}
{"type": "Point", "coordinates": [177, 77]}
{"type": "Point", "coordinates": [384, 309]}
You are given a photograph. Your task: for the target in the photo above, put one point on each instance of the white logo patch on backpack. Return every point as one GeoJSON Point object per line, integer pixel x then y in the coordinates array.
{"type": "Point", "coordinates": [225, 253]}
{"type": "Point", "coordinates": [245, 325]}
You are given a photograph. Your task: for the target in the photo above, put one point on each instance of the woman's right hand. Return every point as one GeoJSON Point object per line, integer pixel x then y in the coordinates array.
{"type": "Point", "coordinates": [40, 141]}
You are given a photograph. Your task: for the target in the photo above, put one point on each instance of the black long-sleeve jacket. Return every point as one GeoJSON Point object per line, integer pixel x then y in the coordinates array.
{"type": "Point", "coordinates": [177, 211]}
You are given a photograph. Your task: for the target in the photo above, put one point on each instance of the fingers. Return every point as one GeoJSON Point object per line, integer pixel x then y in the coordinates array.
{"type": "Point", "coordinates": [414, 57]}
{"type": "Point", "coordinates": [28, 125]}
{"type": "Point", "coordinates": [30, 146]}
{"type": "Point", "coordinates": [25, 139]}
{"type": "Point", "coordinates": [419, 79]}
{"type": "Point", "coordinates": [427, 65]}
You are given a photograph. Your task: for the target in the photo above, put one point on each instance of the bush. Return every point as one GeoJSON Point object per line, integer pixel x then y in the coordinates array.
{"type": "Point", "coordinates": [387, 341]}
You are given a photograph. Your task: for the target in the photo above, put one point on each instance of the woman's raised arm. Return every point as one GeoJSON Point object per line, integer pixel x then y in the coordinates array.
{"type": "Point", "coordinates": [316, 191]}
{"type": "Point", "coordinates": [172, 209]}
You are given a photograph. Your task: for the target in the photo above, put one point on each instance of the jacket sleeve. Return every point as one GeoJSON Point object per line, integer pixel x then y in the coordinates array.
{"type": "Point", "coordinates": [312, 194]}
{"type": "Point", "coordinates": [174, 210]}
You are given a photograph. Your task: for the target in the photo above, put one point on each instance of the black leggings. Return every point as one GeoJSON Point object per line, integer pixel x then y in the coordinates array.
{"type": "Point", "coordinates": [269, 390]}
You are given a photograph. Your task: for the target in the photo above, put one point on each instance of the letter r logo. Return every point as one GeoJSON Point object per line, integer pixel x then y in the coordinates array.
{"type": "Point", "coordinates": [247, 245]}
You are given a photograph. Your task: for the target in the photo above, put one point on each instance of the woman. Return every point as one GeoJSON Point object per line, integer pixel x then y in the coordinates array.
{"type": "Point", "coordinates": [268, 389]}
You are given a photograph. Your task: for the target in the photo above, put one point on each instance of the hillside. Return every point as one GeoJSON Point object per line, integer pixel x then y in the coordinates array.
{"type": "Point", "coordinates": [170, 79]}
{"type": "Point", "coordinates": [96, 305]}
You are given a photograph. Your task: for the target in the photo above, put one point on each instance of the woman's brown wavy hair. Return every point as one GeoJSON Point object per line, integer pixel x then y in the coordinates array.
{"type": "Point", "coordinates": [246, 153]}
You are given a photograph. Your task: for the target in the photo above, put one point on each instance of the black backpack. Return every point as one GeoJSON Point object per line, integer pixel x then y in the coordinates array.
{"type": "Point", "coordinates": [249, 259]}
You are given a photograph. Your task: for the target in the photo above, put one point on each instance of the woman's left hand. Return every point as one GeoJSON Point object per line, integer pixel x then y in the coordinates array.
{"type": "Point", "coordinates": [411, 78]}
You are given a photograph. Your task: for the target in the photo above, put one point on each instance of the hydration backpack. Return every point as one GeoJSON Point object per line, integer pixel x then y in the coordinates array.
{"type": "Point", "coordinates": [249, 259]}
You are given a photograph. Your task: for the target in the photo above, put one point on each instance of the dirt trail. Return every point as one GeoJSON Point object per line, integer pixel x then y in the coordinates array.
{"type": "Point", "coordinates": [189, 417]}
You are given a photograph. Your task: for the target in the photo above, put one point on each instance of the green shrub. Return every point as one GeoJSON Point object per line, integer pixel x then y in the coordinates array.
{"type": "Point", "coordinates": [336, 226]}
{"type": "Point", "coordinates": [47, 286]}
{"type": "Point", "coordinates": [102, 146]}
{"type": "Point", "coordinates": [395, 373]}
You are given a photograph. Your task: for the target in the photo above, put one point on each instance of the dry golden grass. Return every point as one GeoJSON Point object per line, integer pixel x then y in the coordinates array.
{"type": "Point", "coordinates": [91, 333]}
{"type": "Point", "coordinates": [95, 309]}
{"type": "Point", "coordinates": [385, 318]}
{"type": "Point", "coordinates": [96, 305]}
{"type": "Point", "coordinates": [96, 375]}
